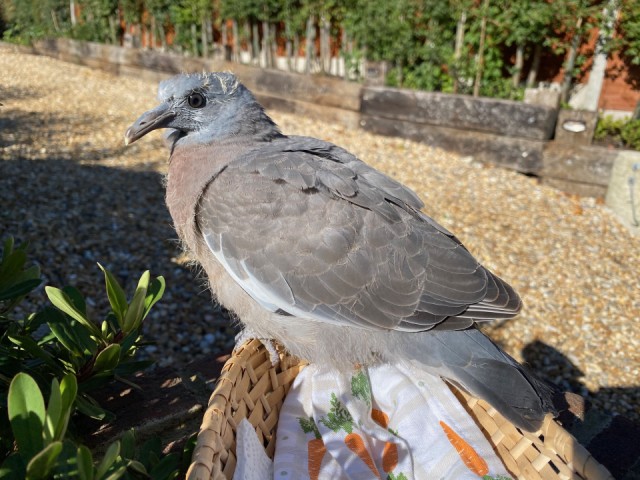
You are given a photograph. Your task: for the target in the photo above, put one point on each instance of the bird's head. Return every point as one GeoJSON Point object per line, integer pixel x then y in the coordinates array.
{"type": "Point", "coordinates": [204, 108]}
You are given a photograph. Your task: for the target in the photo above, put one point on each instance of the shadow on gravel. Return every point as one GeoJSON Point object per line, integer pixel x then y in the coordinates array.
{"type": "Point", "coordinates": [17, 93]}
{"type": "Point", "coordinates": [75, 215]}
{"type": "Point", "coordinates": [611, 439]}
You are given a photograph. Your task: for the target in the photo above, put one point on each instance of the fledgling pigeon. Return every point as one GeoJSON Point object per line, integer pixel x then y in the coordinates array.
{"type": "Point", "coordinates": [315, 249]}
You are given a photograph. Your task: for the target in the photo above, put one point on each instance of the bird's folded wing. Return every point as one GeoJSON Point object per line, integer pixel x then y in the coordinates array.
{"type": "Point", "coordinates": [308, 234]}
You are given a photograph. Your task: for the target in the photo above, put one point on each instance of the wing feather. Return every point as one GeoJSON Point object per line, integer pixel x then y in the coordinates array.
{"type": "Point", "coordinates": [308, 229]}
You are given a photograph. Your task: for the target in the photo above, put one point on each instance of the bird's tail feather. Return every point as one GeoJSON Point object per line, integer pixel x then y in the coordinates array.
{"type": "Point", "coordinates": [472, 361]}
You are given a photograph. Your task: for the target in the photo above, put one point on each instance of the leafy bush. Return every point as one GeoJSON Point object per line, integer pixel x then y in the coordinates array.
{"type": "Point", "coordinates": [608, 127]}
{"type": "Point", "coordinates": [62, 355]}
{"type": "Point", "coordinates": [622, 132]}
{"type": "Point", "coordinates": [630, 134]}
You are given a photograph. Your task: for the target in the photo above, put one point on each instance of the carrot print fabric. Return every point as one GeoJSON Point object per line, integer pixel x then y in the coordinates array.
{"type": "Point", "coordinates": [386, 422]}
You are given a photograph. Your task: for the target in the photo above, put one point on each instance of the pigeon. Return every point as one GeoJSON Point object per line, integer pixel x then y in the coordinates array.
{"type": "Point", "coordinates": [311, 247]}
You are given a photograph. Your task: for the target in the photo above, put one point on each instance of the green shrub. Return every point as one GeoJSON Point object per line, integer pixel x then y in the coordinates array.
{"type": "Point", "coordinates": [61, 355]}
{"type": "Point", "coordinates": [608, 127]}
{"type": "Point", "coordinates": [622, 132]}
{"type": "Point", "coordinates": [630, 134]}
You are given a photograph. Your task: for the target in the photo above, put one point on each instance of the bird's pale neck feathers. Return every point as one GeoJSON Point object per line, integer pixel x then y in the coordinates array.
{"type": "Point", "coordinates": [238, 119]}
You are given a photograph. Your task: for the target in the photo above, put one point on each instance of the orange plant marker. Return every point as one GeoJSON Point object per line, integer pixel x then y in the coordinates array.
{"type": "Point", "coordinates": [469, 456]}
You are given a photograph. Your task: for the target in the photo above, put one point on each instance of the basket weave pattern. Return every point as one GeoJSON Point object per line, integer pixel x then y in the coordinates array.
{"type": "Point", "coordinates": [251, 387]}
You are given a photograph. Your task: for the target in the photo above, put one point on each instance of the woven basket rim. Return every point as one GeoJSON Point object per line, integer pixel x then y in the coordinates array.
{"type": "Point", "coordinates": [251, 387]}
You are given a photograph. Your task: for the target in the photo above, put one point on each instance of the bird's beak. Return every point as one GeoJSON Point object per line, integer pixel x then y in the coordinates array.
{"type": "Point", "coordinates": [159, 117]}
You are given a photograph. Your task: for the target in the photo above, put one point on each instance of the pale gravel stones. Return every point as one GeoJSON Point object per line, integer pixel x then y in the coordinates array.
{"type": "Point", "coordinates": [68, 185]}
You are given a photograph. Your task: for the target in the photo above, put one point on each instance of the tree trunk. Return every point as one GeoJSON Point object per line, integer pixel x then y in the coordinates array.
{"type": "Point", "coordinates": [535, 66]}
{"type": "Point", "coordinates": [234, 40]}
{"type": "Point", "coordinates": [152, 42]}
{"type": "Point", "coordinates": [72, 13]}
{"type": "Point", "coordinates": [255, 41]}
{"type": "Point", "coordinates": [288, 47]}
{"type": "Point", "coordinates": [54, 19]}
{"type": "Point", "coordinates": [264, 45]}
{"type": "Point", "coordinates": [458, 49]}
{"type": "Point", "coordinates": [113, 32]}
{"type": "Point", "coordinates": [309, 43]}
{"type": "Point", "coordinates": [247, 31]}
{"type": "Point", "coordinates": [194, 39]}
{"type": "Point", "coordinates": [205, 40]}
{"type": "Point", "coordinates": [224, 40]}
{"type": "Point", "coordinates": [273, 47]}
{"type": "Point", "coordinates": [517, 70]}
{"type": "Point", "coordinates": [325, 46]}
{"type": "Point", "coordinates": [343, 48]}
{"type": "Point", "coordinates": [296, 51]}
{"type": "Point", "coordinates": [483, 34]}
{"type": "Point", "coordinates": [570, 63]}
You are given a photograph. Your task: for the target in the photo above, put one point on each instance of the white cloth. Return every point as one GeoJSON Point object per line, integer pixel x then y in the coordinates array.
{"type": "Point", "coordinates": [386, 422]}
{"type": "Point", "coordinates": [253, 463]}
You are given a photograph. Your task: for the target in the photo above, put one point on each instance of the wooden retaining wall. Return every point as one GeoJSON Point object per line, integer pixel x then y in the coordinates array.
{"type": "Point", "coordinates": [511, 134]}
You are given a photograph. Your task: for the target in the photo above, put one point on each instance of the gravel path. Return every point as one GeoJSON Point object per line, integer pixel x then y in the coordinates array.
{"type": "Point", "coordinates": [70, 188]}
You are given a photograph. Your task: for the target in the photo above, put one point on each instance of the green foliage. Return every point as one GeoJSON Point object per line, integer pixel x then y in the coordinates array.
{"type": "Point", "coordinates": [338, 417]}
{"type": "Point", "coordinates": [60, 354]}
{"type": "Point", "coordinates": [621, 131]}
{"type": "Point", "coordinates": [416, 37]}
{"type": "Point", "coordinates": [42, 451]}
{"type": "Point", "coordinates": [629, 26]}
{"type": "Point", "coordinates": [630, 134]}
{"type": "Point", "coordinates": [308, 425]}
{"type": "Point", "coordinates": [360, 387]}
{"type": "Point", "coordinates": [29, 20]}
{"type": "Point", "coordinates": [608, 127]}
{"type": "Point", "coordinates": [93, 24]}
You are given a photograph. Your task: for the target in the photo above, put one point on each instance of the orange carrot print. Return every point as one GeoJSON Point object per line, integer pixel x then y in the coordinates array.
{"type": "Point", "coordinates": [315, 448]}
{"type": "Point", "coordinates": [389, 457]}
{"type": "Point", "coordinates": [390, 451]}
{"type": "Point", "coordinates": [338, 419]}
{"type": "Point", "coordinates": [357, 446]}
{"type": "Point", "coordinates": [380, 417]}
{"type": "Point", "coordinates": [469, 456]}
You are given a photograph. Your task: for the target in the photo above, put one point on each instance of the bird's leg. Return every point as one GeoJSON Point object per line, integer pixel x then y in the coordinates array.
{"type": "Point", "coordinates": [247, 334]}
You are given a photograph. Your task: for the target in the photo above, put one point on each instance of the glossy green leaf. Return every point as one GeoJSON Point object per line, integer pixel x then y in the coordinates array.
{"type": "Point", "coordinates": [133, 317]}
{"type": "Point", "coordinates": [128, 445]}
{"type": "Point", "coordinates": [90, 409]}
{"type": "Point", "coordinates": [110, 456]}
{"type": "Point", "coordinates": [62, 301]}
{"type": "Point", "coordinates": [118, 473]}
{"type": "Point", "coordinates": [12, 265]}
{"type": "Point", "coordinates": [166, 468]}
{"type": "Point", "coordinates": [19, 289]}
{"type": "Point", "coordinates": [137, 468]}
{"type": "Point", "coordinates": [26, 414]}
{"type": "Point", "coordinates": [73, 335]}
{"type": "Point", "coordinates": [68, 392]}
{"type": "Point", "coordinates": [154, 293]}
{"type": "Point", "coordinates": [116, 295]}
{"type": "Point", "coordinates": [54, 412]}
{"type": "Point", "coordinates": [30, 346]}
{"type": "Point", "coordinates": [77, 299]}
{"type": "Point", "coordinates": [107, 359]}
{"type": "Point", "coordinates": [43, 462]}
{"type": "Point", "coordinates": [85, 463]}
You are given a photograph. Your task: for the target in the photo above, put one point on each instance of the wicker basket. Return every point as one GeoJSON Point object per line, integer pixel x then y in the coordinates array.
{"type": "Point", "coordinates": [250, 387]}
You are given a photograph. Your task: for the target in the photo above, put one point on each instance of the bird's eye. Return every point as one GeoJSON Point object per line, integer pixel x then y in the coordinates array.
{"type": "Point", "coordinates": [196, 100]}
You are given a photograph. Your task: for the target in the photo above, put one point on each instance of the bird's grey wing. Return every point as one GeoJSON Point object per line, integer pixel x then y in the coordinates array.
{"type": "Point", "coordinates": [307, 235]}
